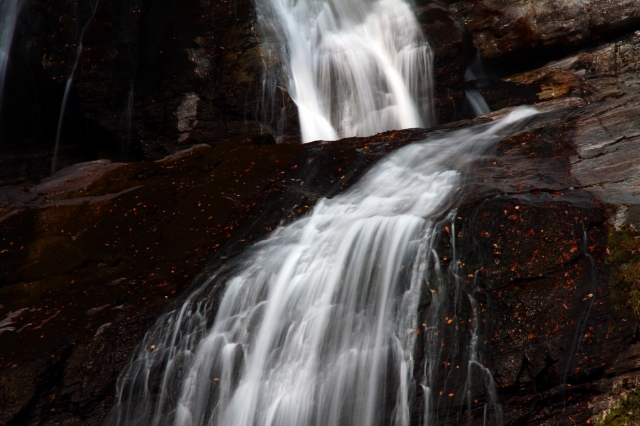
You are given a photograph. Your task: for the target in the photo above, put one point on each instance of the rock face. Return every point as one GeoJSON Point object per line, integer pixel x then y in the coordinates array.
{"type": "Point", "coordinates": [556, 279]}
{"type": "Point", "coordinates": [153, 78]}
{"type": "Point", "coordinates": [594, 74]}
{"type": "Point", "coordinates": [92, 257]}
{"type": "Point", "coordinates": [453, 52]}
{"type": "Point", "coordinates": [546, 233]}
{"type": "Point", "coordinates": [541, 249]}
{"type": "Point", "coordinates": [503, 27]}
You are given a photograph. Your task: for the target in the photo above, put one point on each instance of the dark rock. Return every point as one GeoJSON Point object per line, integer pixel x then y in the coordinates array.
{"type": "Point", "coordinates": [152, 78]}
{"type": "Point", "coordinates": [501, 27]}
{"type": "Point", "coordinates": [594, 74]}
{"type": "Point", "coordinates": [534, 236]}
{"type": "Point", "coordinates": [453, 51]}
{"type": "Point", "coordinates": [88, 264]}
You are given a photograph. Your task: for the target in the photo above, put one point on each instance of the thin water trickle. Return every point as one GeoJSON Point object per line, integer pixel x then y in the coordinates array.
{"type": "Point", "coordinates": [9, 13]}
{"type": "Point", "coordinates": [67, 88]}
{"type": "Point", "coordinates": [354, 67]}
{"type": "Point", "coordinates": [451, 294]}
{"type": "Point", "coordinates": [317, 324]}
{"type": "Point", "coordinates": [583, 319]}
{"type": "Point", "coordinates": [477, 103]}
{"type": "Point", "coordinates": [125, 124]}
{"type": "Point", "coordinates": [475, 100]}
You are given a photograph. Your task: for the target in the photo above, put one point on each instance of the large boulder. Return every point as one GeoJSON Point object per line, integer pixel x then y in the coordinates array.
{"type": "Point", "coordinates": [92, 256]}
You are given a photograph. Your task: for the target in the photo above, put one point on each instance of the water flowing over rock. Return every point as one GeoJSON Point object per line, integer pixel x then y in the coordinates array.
{"type": "Point", "coordinates": [479, 272]}
{"type": "Point", "coordinates": [477, 103]}
{"type": "Point", "coordinates": [528, 177]}
{"type": "Point", "coordinates": [216, 50]}
{"type": "Point", "coordinates": [318, 321]}
{"type": "Point", "coordinates": [354, 68]}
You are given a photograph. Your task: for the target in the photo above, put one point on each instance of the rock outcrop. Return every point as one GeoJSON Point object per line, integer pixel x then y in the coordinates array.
{"type": "Point", "coordinates": [150, 79]}
{"type": "Point", "coordinates": [93, 256]}
{"type": "Point", "coordinates": [453, 53]}
{"type": "Point", "coordinates": [546, 233]}
{"type": "Point", "coordinates": [507, 27]}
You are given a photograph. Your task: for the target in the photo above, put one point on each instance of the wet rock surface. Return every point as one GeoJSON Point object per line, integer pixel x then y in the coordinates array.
{"type": "Point", "coordinates": [93, 256]}
{"type": "Point", "coordinates": [153, 78]}
{"type": "Point", "coordinates": [535, 238]}
{"type": "Point", "coordinates": [453, 52]}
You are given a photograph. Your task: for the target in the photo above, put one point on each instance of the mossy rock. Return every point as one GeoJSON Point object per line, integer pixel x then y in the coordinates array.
{"type": "Point", "coordinates": [623, 253]}
{"type": "Point", "coordinates": [625, 413]}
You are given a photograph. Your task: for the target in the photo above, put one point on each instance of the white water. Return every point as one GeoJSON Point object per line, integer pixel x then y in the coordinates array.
{"type": "Point", "coordinates": [9, 12]}
{"type": "Point", "coordinates": [317, 323]}
{"type": "Point", "coordinates": [355, 67]}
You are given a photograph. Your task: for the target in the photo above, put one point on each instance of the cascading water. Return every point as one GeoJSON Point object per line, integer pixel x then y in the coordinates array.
{"type": "Point", "coordinates": [317, 324]}
{"type": "Point", "coordinates": [354, 67]}
{"type": "Point", "coordinates": [9, 12]}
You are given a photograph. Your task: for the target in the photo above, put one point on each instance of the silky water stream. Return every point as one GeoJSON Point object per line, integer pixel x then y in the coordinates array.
{"type": "Point", "coordinates": [317, 324]}
{"type": "Point", "coordinates": [352, 67]}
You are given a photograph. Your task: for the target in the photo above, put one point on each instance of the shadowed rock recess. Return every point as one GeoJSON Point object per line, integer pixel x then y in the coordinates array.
{"type": "Point", "coordinates": [170, 169]}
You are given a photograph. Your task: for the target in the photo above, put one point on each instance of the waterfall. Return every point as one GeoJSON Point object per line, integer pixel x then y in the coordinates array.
{"type": "Point", "coordinates": [317, 325]}
{"type": "Point", "coordinates": [9, 12]}
{"type": "Point", "coordinates": [353, 67]}
{"type": "Point", "coordinates": [67, 88]}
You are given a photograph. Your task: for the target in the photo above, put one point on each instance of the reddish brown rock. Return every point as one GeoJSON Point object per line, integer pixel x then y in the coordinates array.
{"type": "Point", "coordinates": [86, 269]}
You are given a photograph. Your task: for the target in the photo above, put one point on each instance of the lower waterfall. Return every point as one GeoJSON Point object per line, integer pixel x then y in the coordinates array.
{"type": "Point", "coordinates": [317, 325]}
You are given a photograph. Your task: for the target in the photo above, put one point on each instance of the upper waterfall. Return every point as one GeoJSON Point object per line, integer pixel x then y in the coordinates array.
{"type": "Point", "coordinates": [354, 67]}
